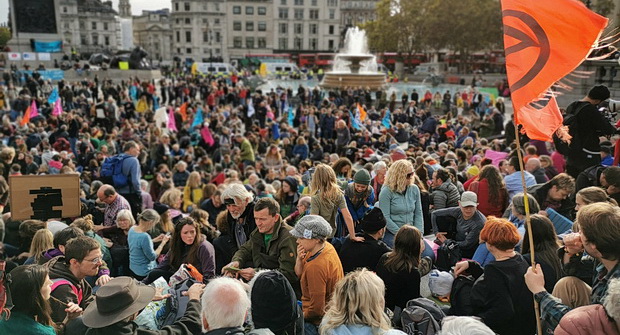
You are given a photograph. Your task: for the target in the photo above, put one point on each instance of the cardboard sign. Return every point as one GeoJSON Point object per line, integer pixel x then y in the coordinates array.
{"type": "Point", "coordinates": [44, 197]}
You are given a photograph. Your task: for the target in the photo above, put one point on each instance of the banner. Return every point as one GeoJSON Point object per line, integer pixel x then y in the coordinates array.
{"type": "Point", "coordinates": [53, 46]}
{"type": "Point", "coordinates": [44, 56]}
{"type": "Point", "coordinates": [53, 75]}
{"type": "Point", "coordinates": [44, 197]}
{"type": "Point", "coordinates": [14, 56]}
{"type": "Point", "coordinates": [29, 56]}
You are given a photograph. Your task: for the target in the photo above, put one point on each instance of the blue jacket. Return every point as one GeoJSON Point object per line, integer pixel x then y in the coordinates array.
{"type": "Point", "coordinates": [361, 330]}
{"type": "Point", "coordinates": [301, 150]}
{"type": "Point", "coordinates": [400, 209]}
{"type": "Point", "coordinates": [513, 182]}
{"type": "Point", "coordinates": [131, 169]}
{"type": "Point", "coordinates": [358, 213]}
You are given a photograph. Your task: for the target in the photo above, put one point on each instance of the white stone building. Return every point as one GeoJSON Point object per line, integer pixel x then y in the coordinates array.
{"type": "Point", "coordinates": [153, 32]}
{"type": "Point", "coordinates": [89, 25]}
{"type": "Point", "coordinates": [250, 28]}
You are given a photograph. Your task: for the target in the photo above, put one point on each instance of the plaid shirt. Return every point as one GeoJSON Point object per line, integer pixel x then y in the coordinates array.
{"type": "Point", "coordinates": [552, 309]}
{"type": "Point", "coordinates": [109, 215]}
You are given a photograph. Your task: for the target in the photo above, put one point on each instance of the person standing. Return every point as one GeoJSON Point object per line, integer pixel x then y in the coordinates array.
{"type": "Point", "coordinates": [131, 169]}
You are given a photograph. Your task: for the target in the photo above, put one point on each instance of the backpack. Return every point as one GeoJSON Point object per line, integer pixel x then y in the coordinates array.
{"type": "Point", "coordinates": [62, 281]}
{"type": "Point", "coordinates": [460, 296]}
{"type": "Point", "coordinates": [421, 317]}
{"type": "Point", "coordinates": [176, 304]}
{"type": "Point", "coordinates": [111, 171]}
{"type": "Point", "coordinates": [570, 120]}
{"type": "Point", "coordinates": [448, 255]}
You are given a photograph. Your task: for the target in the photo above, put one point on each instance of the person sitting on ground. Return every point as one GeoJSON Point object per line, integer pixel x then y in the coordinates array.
{"type": "Point", "coordinates": [513, 178]}
{"type": "Point", "coordinates": [359, 195]}
{"type": "Point", "coordinates": [445, 193]}
{"type": "Point", "coordinates": [599, 225]}
{"type": "Point", "coordinates": [318, 268]}
{"type": "Point", "coordinates": [546, 246]}
{"type": "Point", "coordinates": [119, 302]}
{"type": "Point", "coordinates": [270, 246]}
{"type": "Point", "coordinates": [30, 287]}
{"type": "Point", "coordinates": [555, 194]}
{"type": "Point", "coordinates": [366, 254]}
{"type": "Point", "coordinates": [142, 254]}
{"type": "Point", "coordinates": [534, 167]}
{"type": "Point", "coordinates": [464, 325]}
{"type": "Point", "coordinates": [402, 268]}
{"type": "Point", "coordinates": [274, 304]}
{"type": "Point", "coordinates": [468, 223]}
{"type": "Point", "coordinates": [225, 305]}
{"type": "Point", "coordinates": [594, 319]}
{"type": "Point", "coordinates": [357, 307]}
{"type": "Point", "coordinates": [499, 295]}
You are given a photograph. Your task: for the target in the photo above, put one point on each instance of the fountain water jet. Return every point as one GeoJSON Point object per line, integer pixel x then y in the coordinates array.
{"type": "Point", "coordinates": [354, 66]}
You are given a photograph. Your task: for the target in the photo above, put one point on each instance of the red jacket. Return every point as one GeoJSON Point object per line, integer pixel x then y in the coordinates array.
{"type": "Point", "coordinates": [481, 188]}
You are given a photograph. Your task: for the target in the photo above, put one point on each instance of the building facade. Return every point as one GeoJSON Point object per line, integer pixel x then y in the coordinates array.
{"type": "Point", "coordinates": [89, 26]}
{"type": "Point", "coordinates": [153, 32]}
{"type": "Point", "coordinates": [250, 28]}
{"type": "Point", "coordinates": [199, 30]}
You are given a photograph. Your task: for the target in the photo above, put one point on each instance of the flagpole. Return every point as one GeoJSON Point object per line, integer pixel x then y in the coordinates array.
{"type": "Point", "coordinates": [528, 223]}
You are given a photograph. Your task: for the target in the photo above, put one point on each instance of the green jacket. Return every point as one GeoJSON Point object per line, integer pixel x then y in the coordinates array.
{"type": "Point", "coordinates": [247, 153]}
{"type": "Point", "coordinates": [279, 254]}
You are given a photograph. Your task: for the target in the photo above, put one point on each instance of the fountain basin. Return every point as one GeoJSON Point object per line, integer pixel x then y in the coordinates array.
{"type": "Point", "coordinates": [374, 81]}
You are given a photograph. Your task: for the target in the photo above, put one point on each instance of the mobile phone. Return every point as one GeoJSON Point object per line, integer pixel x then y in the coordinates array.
{"type": "Point", "coordinates": [168, 234]}
{"type": "Point", "coordinates": [232, 269]}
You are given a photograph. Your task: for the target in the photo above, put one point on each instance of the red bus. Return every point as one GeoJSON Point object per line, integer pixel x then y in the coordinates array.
{"type": "Point", "coordinates": [307, 60]}
{"type": "Point", "coordinates": [325, 59]}
{"type": "Point", "coordinates": [389, 58]}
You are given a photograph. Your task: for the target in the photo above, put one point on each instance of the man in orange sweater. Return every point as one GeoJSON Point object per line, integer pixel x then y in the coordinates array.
{"type": "Point", "coordinates": [318, 267]}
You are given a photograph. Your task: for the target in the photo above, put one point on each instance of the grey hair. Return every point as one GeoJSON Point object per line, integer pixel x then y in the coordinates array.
{"type": "Point", "coordinates": [464, 325]}
{"type": "Point", "coordinates": [238, 193]}
{"type": "Point", "coordinates": [144, 184]}
{"type": "Point", "coordinates": [378, 165]}
{"type": "Point", "coordinates": [149, 215]}
{"type": "Point", "coordinates": [518, 203]}
{"type": "Point", "coordinates": [224, 303]}
{"type": "Point", "coordinates": [611, 302]}
{"type": "Point", "coordinates": [305, 201]}
{"type": "Point", "coordinates": [126, 214]}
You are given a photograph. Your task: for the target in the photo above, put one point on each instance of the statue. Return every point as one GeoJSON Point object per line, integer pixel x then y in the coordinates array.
{"type": "Point", "coordinates": [136, 59]}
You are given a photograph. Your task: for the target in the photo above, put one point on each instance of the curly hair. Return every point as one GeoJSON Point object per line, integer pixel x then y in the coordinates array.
{"type": "Point", "coordinates": [396, 179]}
{"type": "Point", "coordinates": [340, 164]}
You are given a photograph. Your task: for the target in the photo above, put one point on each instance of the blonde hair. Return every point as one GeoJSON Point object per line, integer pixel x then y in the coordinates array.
{"type": "Point", "coordinates": [194, 180]}
{"type": "Point", "coordinates": [171, 198]}
{"type": "Point", "coordinates": [359, 299]}
{"type": "Point", "coordinates": [396, 179]}
{"type": "Point", "coordinates": [85, 223]}
{"type": "Point", "coordinates": [42, 241]}
{"type": "Point", "coordinates": [324, 182]}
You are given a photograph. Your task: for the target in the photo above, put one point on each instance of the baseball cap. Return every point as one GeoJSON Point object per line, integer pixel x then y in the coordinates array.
{"type": "Point", "coordinates": [469, 199]}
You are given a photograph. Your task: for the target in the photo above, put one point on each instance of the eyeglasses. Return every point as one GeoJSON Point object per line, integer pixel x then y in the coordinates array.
{"type": "Point", "coordinates": [409, 175]}
{"type": "Point", "coordinates": [95, 260]}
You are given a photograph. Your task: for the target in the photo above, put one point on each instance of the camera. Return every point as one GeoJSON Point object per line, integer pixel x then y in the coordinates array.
{"type": "Point", "coordinates": [609, 109]}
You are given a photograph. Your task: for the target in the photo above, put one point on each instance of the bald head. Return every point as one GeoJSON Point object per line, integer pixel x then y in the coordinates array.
{"type": "Point", "coordinates": [532, 164]}
{"type": "Point", "coordinates": [106, 194]}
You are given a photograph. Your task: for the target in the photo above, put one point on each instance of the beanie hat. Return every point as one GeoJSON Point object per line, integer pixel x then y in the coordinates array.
{"type": "Point", "coordinates": [292, 182]}
{"type": "Point", "coordinates": [274, 305]}
{"type": "Point", "coordinates": [362, 177]}
{"type": "Point", "coordinates": [373, 221]}
{"type": "Point", "coordinates": [599, 92]}
{"type": "Point", "coordinates": [311, 226]}
{"type": "Point", "coordinates": [473, 170]}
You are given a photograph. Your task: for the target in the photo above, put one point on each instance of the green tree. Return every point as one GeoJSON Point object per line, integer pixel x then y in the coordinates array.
{"type": "Point", "coordinates": [5, 36]}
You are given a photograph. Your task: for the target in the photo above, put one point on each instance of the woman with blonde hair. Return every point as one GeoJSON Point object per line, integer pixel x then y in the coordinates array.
{"type": "Point", "coordinates": [87, 225]}
{"type": "Point", "coordinates": [273, 159]}
{"type": "Point", "coordinates": [192, 192]}
{"type": "Point", "coordinates": [328, 198]}
{"type": "Point", "coordinates": [400, 200]}
{"type": "Point", "coordinates": [357, 307]}
{"type": "Point", "coordinates": [173, 198]}
{"type": "Point", "coordinates": [42, 241]}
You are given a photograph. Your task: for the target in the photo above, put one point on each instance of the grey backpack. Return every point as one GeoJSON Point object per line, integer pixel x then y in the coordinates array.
{"type": "Point", "coordinates": [421, 317]}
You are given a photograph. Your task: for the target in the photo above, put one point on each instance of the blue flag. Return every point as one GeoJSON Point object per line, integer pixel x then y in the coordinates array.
{"type": "Point", "coordinates": [355, 122]}
{"type": "Point", "coordinates": [275, 129]}
{"type": "Point", "coordinates": [251, 110]}
{"type": "Point", "coordinates": [198, 118]}
{"type": "Point", "coordinates": [155, 102]}
{"type": "Point", "coordinates": [133, 93]}
{"type": "Point", "coordinates": [53, 96]}
{"type": "Point", "coordinates": [291, 116]}
{"type": "Point", "coordinates": [387, 120]}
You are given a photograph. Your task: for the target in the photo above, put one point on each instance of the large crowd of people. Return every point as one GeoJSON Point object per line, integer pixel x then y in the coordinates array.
{"type": "Point", "coordinates": [303, 210]}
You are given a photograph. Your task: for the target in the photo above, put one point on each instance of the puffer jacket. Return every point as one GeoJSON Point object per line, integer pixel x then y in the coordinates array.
{"type": "Point", "coordinates": [446, 195]}
{"type": "Point", "coordinates": [587, 320]}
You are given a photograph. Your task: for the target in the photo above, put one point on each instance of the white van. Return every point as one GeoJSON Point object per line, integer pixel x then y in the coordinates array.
{"type": "Point", "coordinates": [214, 68]}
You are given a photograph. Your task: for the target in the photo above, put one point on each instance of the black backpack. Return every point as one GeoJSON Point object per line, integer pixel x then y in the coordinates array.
{"type": "Point", "coordinates": [176, 304]}
{"type": "Point", "coordinates": [448, 255]}
{"type": "Point", "coordinates": [422, 316]}
{"type": "Point", "coordinates": [570, 120]}
{"type": "Point", "coordinates": [460, 296]}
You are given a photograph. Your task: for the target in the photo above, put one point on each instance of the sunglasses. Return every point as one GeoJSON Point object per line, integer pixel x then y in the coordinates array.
{"type": "Point", "coordinates": [229, 201]}
{"type": "Point", "coordinates": [409, 175]}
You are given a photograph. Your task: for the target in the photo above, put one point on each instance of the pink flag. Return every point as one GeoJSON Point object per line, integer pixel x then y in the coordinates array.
{"type": "Point", "coordinates": [172, 125]}
{"type": "Point", "coordinates": [206, 136]}
{"type": "Point", "coordinates": [57, 108]}
{"type": "Point", "coordinates": [33, 110]}
{"type": "Point", "coordinates": [495, 156]}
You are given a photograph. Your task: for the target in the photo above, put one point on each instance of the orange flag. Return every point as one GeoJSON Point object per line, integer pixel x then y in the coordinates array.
{"type": "Point", "coordinates": [544, 41]}
{"type": "Point", "coordinates": [362, 112]}
{"type": "Point", "coordinates": [183, 111]}
{"type": "Point", "coordinates": [26, 117]}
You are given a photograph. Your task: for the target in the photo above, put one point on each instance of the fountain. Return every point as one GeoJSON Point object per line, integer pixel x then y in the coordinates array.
{"type": "Point", "coordinates": [354, 66]}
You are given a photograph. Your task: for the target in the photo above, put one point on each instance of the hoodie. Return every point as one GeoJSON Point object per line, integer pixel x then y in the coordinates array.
{"type": "Point", "coordinates": [58, 269]}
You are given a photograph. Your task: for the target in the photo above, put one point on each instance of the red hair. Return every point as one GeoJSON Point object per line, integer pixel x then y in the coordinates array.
{"type": "Point", "coordinates": [500, 233]}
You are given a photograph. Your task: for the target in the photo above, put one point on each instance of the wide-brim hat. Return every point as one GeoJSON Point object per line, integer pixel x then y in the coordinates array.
{"type": "Point", "coordinates": [120, 298]}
